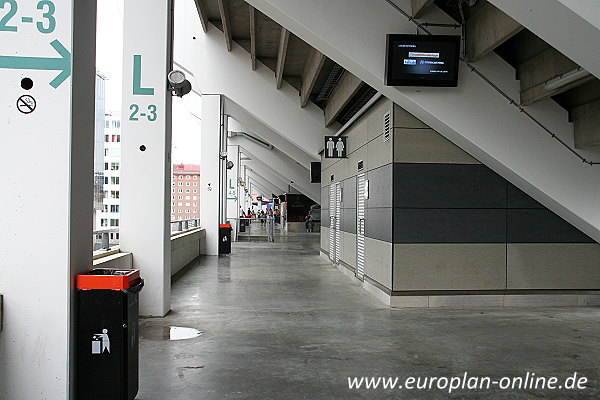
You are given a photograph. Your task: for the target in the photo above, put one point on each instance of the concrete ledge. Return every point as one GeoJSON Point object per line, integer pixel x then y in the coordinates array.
{"type": "Point", "coordinates": [185, 247]}
{"type": "Point", "coordinates": [114, 259]}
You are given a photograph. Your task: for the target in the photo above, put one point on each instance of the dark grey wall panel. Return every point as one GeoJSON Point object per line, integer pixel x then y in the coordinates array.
{"type": "Point", "coordinates": [325, 197]}
{"type": "Point", "coordinates": [449, 226]}
{"type": "Point", "coordinates": [349, 193]}
{"type": "Point", "coordinates": [380, 187]}
{"type": "Point", "coordinates": [448, 186]}
{"type": "Point", "coordinates": [542, 226]}
{"type": "Point", "coordinates": [378, 223]}
{"type": "Point", "coordinates": [519, 199]}
{"type": "Point", "coordinates": [348, 221]}
{"type": "Point", "coordinates": [325, 221]}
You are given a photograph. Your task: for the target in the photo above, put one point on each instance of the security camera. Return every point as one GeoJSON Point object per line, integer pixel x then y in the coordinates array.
{"type": "Point", "coordinates": [178, 85]}
{"type": "Point", "coordinates": [229, 164]}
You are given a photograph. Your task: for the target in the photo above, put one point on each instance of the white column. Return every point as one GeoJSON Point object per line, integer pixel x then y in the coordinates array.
{"type": "Point", "coordinates": [233, 203]}
{"type": "Point", "coordinates": [46, 171]}
{"type": "Point", "coordinates": [146, 149]}
{"type": "Point", "coordinates": [210, 146]}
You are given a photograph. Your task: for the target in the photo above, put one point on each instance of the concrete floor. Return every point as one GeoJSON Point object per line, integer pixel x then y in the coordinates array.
{"type": "Point", "coordinates": [279, 322]}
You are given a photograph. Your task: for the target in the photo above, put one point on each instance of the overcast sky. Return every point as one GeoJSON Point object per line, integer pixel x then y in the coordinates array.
{"type": "Point", "coordinates": [109, 62]}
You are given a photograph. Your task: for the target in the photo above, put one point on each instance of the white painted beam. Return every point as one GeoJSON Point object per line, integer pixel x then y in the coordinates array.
{"type": "Point", "coordinates": [570, 26]}
{"type": "Point", "coordinates": [473, 116]}
{"type": "Point", "coordinates": [202, 13]}
{"type": "Point", "coordinates": [281, 55]}
{"type": "Point", "coordinates": [259, 129]}
{"type": "Point", "coordinates": [281, 164]}
{"type": "Point", "coordinates": [224, 12]}
{"type": "Point", "coordinates": [346, 88]}
{"type": "Point", "coordinates": [277, 109]}
{"type": "Point", "coordinates": [278, 180]}
{"type": "Point", "coordinates": [312, 69]}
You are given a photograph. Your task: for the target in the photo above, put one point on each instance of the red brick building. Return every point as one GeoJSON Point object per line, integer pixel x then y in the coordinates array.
{"type": "Point", "coordinates": [185, 192]}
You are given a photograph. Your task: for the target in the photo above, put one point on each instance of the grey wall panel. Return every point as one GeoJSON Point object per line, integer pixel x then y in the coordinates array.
{"type": "Point", "coordinates": [541, 226]}
{"type": "Point", "coordinates": [325, 221]}
{"type": "Point", "coordinates": [325, 197]}
{"type": "Point", "coordinates": [449, 226]}
{"type": "Point", "coordinates": [378, 223]}
{"type": "Point", "coordinates": [348, 222]}
{"type": "Point", "coordinates": [349, 192]}
{"type": "Point", "coordinates": [448, 186]}
{"type": "Point", "coordinates": [519, 199]}
{"type": "Point", "coordinates": [380, 187]}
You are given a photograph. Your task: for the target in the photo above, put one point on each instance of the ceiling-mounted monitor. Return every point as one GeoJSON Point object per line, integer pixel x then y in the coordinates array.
{"type": "Point", "coordinates": [422, 60]}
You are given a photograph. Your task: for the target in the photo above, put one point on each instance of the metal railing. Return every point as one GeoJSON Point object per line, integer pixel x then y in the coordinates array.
{"type": "Point", "coordinates": [183, 225]}
{"type": "Point", "coordinates": [102, 240]}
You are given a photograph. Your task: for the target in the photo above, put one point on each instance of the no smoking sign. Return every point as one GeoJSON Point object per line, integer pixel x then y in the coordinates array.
{"type": "Point", "coordinates": [26, 104]}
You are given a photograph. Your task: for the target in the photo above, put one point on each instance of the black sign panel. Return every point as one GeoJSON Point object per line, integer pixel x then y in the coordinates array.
{"type": "Point", "coordinates": [335, 147]}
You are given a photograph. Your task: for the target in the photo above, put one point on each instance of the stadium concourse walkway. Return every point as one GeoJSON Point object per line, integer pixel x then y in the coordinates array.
{"type": "Point", "coordinates": [277, 321]}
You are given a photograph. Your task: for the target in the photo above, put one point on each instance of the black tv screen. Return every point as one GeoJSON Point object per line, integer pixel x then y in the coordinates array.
{"type": "Point", "coordinates": [422, 60]}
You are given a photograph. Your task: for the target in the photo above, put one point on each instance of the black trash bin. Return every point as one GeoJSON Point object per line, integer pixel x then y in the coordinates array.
{"type": "Point", "coordinates": [242, 225]}
{"type": "Point", "coordinates": [108, 334]}
{"type": "Point", "coordinates": [225, 239]}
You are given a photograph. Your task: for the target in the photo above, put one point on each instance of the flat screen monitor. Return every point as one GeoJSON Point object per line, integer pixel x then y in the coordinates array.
{"type": "Point", "coordinates": [422, 60]}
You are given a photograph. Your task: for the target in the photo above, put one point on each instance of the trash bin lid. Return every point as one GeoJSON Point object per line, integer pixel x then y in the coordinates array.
{"type": "Point", "coordinates": [108, 278]}
{"type": "Point", "coordinates": [225, 226]}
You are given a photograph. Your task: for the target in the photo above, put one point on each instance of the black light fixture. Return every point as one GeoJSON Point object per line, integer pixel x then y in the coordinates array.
{"type": "Point", "coordinates": [178, 85]}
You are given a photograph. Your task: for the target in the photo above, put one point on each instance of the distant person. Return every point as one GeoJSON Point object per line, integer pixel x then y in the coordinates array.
{"type": "Point", "coordinates": [262, 217]}
{"type": "Point", "coordinates": [309, 222]}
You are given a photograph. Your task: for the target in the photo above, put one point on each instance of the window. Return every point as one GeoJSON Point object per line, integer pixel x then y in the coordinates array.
{"type": "Point", "coordinates": [107, 124]}
{"type": "Point", "coordinates": [187, 197]}
{"type": "Point", "coordinates": [187, 204]}
{"type": "Point", "coordinates": [180, 217]}
{"type": "Point", "coordinates": [179, 204]}
{"type": "Point", "coordinates": [106, 166]}
{"type": "Point", "coordinates": [116, 124]}
{"type": "Point", "coordinates": [180, 184]}
{"type": "Point", "coordinates": [173, 184]}
{"type": "Point", "coordinates": [105, 209]}
{"type": "Point", "coordinates": [187, 217]}
{"type": "Point", "coordinates": [172, 210]}
{"type": "Point", "coordinates": [180, 190]}
{"type": "Point", "coordinates": [114, 222]}
{"type": "Point", "coordinates": [112, 236]}
{"type": "Point", "coordinates": [114, 194]}
{"type": "Point", "coordinates": [195, 204]}
{"type": "Point", "coordinates": [195, 184]}
{"type": "Point", "coordinates": [179, 197]}
{"type": "Point", "coordinates": [114, 166]}
{"type": "Point", "coordinates": [114, 180]}
{"type": "Point", "coordinates": [172, 190]}
{"type": "Point", "coordinates": [113, 138]}
{"type": "Point", "coordinates": [194, 191]}
{"type": "Point", "coordinates": [187, 184]}
{"type": "Point", "coordinates": [195, 177]}
{"type": "Point", "coordinates": [105, 194]}
{"type": "Point", "coordinates": [187, 211]}
{"type": "Point", "coordinates": [105, 152]}
{"type": "Point", "coordinates": [180, 211]}
{"type": "Point", "coordinates": [187, 177]}
{"type": "Point", "coordinates": [187, 190]}
{"type": "Point", "coordinates": [119, 138]}
{"type": "Point", "coordinates": [173, 203]}
{"type": "Point", "coordinates": [106, 137]}
{"type": "Point", "coordinates": [106, 180]}
{"type": "Point", "coordinates": [103, 222]}
{"type": "Point", "coordinates": [194, 197]}
{"type": "Point", "coordinates": [114, 208]}
{"type": "Point", "coordinates": [115, 152]}
{"type": "Point", "coordinates": [180, 176]}
{"type": "Point", "coordinates": [195, 211]}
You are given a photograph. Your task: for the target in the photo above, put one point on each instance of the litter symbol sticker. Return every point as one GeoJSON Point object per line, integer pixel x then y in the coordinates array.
{"type": "Point", "coordinates": [101, 343]}
{"type": "Point", "coordinates": [26, 104]}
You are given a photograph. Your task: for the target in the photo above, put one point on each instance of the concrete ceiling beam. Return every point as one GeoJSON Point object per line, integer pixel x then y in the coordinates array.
{"type": "Point", "coordinates": [281, 55]}
{"type": "Point", "coordinates": [311, 72]}
{"type": "Point", "coordinates": [225, 21]}
{"type": "Point", "coordinates": [202, 13]}
{"type": "Point", "coordinates": [346, 88]}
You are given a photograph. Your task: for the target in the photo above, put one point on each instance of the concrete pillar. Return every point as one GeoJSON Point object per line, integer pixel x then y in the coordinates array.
{"type": "Point", "coordinates": [47, 191]}
{"type": "Point", "coordinates": [146, 149]}
{"type": "Point", "coordinates": [210, 177]}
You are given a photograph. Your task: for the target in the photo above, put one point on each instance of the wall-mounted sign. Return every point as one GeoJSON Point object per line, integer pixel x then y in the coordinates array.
{"type": "Point", "coordinates": [335, 147]}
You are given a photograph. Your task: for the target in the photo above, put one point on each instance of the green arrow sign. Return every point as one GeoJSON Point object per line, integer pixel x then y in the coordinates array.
{"type": "Point", "coordinates": [62, 64]}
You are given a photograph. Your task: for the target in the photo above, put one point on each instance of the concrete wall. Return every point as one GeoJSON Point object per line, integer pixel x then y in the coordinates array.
{"type": "Point", "coordinates": [365, 143]}
{"type": "Point", "coordinates": [185, 248]}
{"type": "Point", "coordinates": [439, 220]}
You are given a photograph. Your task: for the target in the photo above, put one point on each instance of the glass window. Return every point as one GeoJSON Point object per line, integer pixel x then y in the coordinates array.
{"type": "Point", "coordinates": [187, 177]}
{"type": "Point", "coordinates": [179, 204]}
{"type": "Point", "coordinates": [179, 197]}
{"type": "Point", "coordinates": [187, 190]}
{"type": "Point", "coordinates": [114, 180]}
{"type": "Point", "coordinates": [107, 125]}
{"type": "Point", "coordinates": [187, 197]}
{"type": "Point", "coordinates": [195, 183]}
{"type": "Point", "coordinates": [195, 197]}
{"type": "Point", "coordinates": [195, 177]}
{"type": "Point", "coordinates": [187, 204]}
{"type": "Point", "coordinates": [180, 211]}
{"type": "Point", "coordinates": [106, 166]}
{"type": "Point", "coordinates": [114, 166]}
{"type": "Point", "coordinates": [180, 190]}
{"type": "Point", "coordinates": [187, 184]}
{"type": "Point", "coordinates": [180, 184]}
{"type": "Point", "coordinates": [115, 152]}
{"type": "Point", "coordinates": [118, 138]}
{"type": "Point", "coordinates": [187, 211]}
{"type": "Point", "coordinates": [106, 137]}
{"type": "Point", "coordinates": [105, 152]}
{"type": "Point", "coordinates": [195, 204]}
{"type": "Point", "coordinates": [194, 191]}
